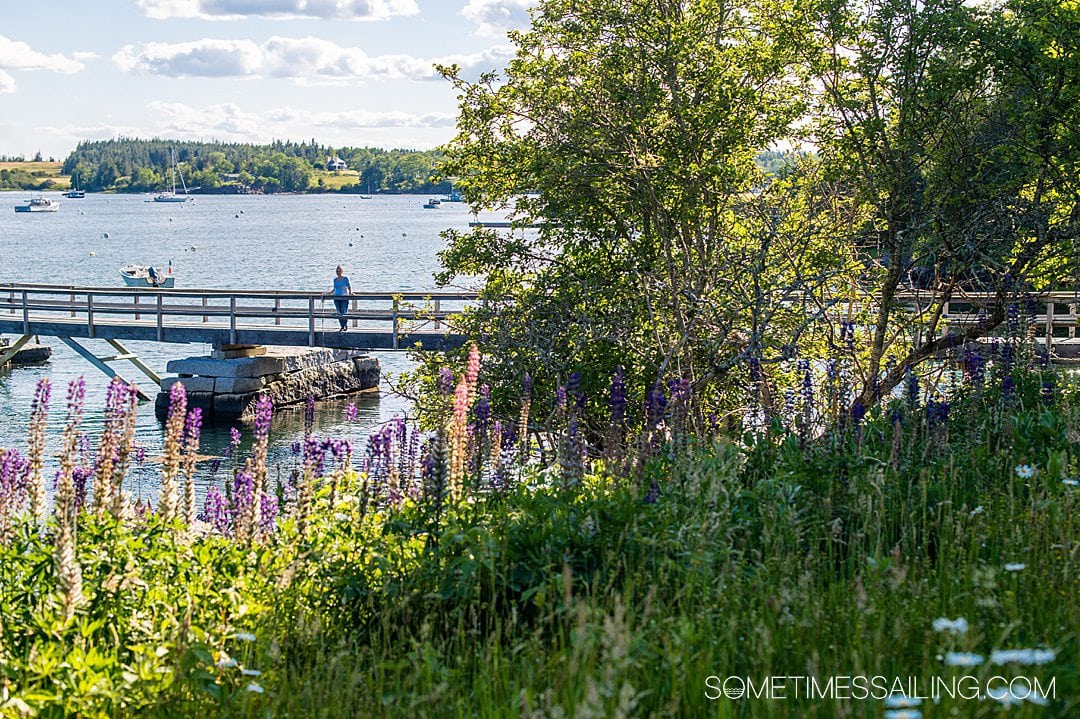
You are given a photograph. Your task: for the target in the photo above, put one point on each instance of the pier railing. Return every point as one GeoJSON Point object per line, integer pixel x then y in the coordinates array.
{"type": "Point", "coordinates": [383, 320]}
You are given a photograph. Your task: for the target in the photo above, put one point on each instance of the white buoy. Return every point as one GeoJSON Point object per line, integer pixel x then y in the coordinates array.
{"type": "Point", "coordinates": [105, 235]}
{"type": "Point", "coordinates": [91, 254]}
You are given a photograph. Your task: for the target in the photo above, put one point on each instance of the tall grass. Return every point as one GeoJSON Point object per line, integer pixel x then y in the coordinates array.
{"type": "Point", "coordinates": [463, 577]}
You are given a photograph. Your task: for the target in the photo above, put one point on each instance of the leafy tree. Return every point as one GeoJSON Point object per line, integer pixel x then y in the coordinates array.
{"type": "Point", "coordinates": [628, 131]}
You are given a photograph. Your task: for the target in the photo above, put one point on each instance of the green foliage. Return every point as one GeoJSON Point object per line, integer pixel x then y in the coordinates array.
{"type": "Point", "coordinates": [134, 165]}
{"type": "Point", "coordinates": [765, 557]}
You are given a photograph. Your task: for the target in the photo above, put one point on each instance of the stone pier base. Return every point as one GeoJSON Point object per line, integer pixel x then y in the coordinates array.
{"type": "Point", "coordinates": [227, 388]}
{"type": "Point", "coordinates": [32, 352]}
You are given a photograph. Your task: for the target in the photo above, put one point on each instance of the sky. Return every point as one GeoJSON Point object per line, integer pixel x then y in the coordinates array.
{"type": "Point", "coordinates": [345, 72]}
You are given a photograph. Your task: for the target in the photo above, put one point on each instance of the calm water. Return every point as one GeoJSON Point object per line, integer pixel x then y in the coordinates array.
{"type": "Point", "coordinates": [250, 242]}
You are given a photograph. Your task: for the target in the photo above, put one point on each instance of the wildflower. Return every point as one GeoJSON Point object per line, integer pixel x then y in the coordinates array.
{"type": "Point", "coordinates": [245, 636]}
{"type": "Point", "coordinates": [1025, 471]}
{"type": "Point", "coordinates": [446, 380]}
{"type": "Point", "coordinates": [653, 495]}
{"type": "Point", "coordinates": [955, 626]}
{"type": "Point", "coordinates": [1022, 656]}
{"type": "Point", "coordinates": [963, 659]}
{"type": "Point", "coordinates": [174, 435]}
{"type": "Point", "coordinates": [225, 662]}
{"type": "Point", "coordinates": [912, 390]}
{"type": "Point", "coordinates": [251, 672]}
{"type": "Point", "coordinates": [977, 510]}
{"type": "Point", "coordinates": [39, 414]}
{"type": "Point", "coordinates": [1015, 567]}
{"type": "Point", "coordinates": [1071, 482]}
{"type": "Point", "coordinates": [901, 701]}
{"type": "Point", "coordinates": [351, 413]}
{"type": "Point", "coordinates": [858, 412]}
{"type": "Point", "coordinates": [253, 687]}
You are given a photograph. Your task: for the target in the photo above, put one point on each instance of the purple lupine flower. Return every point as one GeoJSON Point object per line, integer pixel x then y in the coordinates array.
{"type": "Point", "coordinates": [264, 412]}
{"type": "Point", "coordinates": [446, 380]}
{"type": "Point", "coordinates": [560, 397]}
{"type": "Point", "coordinates": [139, 453]}
{"type": "Point", "coordinates": [79, 477]}
{"type": "Point", "coordinates": [653, 495]}
{"type": "Point", "coordinates": [268, 513]}
{"type": "Point", "coordinates": [617, 397]}
{"type": "Point", "coordinates": [482, 412]}
{"type": "Point", "coordinates": [912, 389]}
{"type": "Point", "coordinates": [234, 442]}
{"type": "Point", "coordinates": [217, 513]}
{"type": "Point", "coordinates": [215, 466]}
{"type": "Point", "coordinates": [1008, 388]}
{"type": "Point", "coordinates": [655, 404]}
{"type": "Point", "coordinates": [297, 448]}
{"type": "Point", "coordinates": [193, 426]}
{"type": "Point", "coordinates": [351, 413]}
{"type": "Point", "coordinates": [243, 493]}
{"type": "Point", "coordinates": [754, 362]}
{"type": "Point", "coordinates": [937, 412]}
{"type": "Point", "coordinates": [526, 385]}
{"type": "Point", "coordinates": [1013, 322]}
{"type": "Point", "coordinates": [309, 414]}
{"type": "Point", "coordinates": [896, 416]}
{"type": "Point", "coordinates": [858, 412]}
{"type": "Point", "coordinates": [573, 390]}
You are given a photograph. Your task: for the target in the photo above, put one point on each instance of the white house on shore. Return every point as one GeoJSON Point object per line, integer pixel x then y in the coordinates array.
{"type": "Point", "coordinates": [335, 163]}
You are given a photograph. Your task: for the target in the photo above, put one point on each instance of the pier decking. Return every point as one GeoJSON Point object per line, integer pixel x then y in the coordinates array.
{"type": "Point", "coordinates": [377, 320]}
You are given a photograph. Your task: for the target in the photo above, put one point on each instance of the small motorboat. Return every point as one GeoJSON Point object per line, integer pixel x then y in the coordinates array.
{"type": "Point", "coordinates": [39, 204]}
{"type": "Point", "coordinates": [147, 276]}
{"type": "Point", "coordinates": [433, 203]}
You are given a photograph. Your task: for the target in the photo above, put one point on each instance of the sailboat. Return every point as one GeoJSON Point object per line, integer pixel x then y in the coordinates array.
{"type": "Point", "coordinates": [171, 195]}
{"type": "Point", "coordinates": [75, 193]}
{"type": "Point", "coordinates": [368, 195]}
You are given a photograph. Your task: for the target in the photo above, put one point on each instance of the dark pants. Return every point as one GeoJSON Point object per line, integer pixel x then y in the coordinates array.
{"type": "Point", "coordinates": [342, 310]}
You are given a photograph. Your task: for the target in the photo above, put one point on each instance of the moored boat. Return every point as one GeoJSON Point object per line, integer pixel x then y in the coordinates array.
{"type": "Point", "coordinates": [39, 204]}
{"type": "Point", "coordinates": [146, 276]}
{"type": "Point", "coordinates": [432, 203]}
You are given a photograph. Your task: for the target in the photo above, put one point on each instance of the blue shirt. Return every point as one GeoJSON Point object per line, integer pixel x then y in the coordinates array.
{"type": "Point", "coordinates": [342, 286]}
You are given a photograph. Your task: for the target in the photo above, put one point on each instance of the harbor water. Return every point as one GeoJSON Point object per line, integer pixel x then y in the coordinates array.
{"type": "Point", "coordinates": [253, 242]}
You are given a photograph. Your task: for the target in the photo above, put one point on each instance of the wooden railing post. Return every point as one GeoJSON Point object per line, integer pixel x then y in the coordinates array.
{"type": "Point", "coordinates": [232, 320]}
{"type": "Point", "coordinates": [204, 302]}
{"type": "Point", "coordinates": [436, 314]}
{"type": "Point", "coordinates": [311, 321]}
{"type": "Point", "coordinates": [160, 320]}
{"type": "Point", "coordinates": [1049, 325]}
{"type": "Point", "coordinates": [395, 324]}
{"type": "Point", "coordinates": [25, 314]}
{"type": "Point", "coordinates": [90, 315]}
{"type": "Point", "coordinates": [1072, 321]}
{"type": "Point", "coordinates": [277, 310]}
{"type": "Point", "coordinates": [72, 302]}
{"type": "Point", "coordinates": [136, 305]}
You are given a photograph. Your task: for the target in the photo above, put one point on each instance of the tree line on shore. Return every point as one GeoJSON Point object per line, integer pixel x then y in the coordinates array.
{"type": "Point", "coordinates": [136, 165]}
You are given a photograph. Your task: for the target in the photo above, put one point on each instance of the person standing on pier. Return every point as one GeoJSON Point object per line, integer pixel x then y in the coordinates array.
{"type": "Point", "coordinates": [342, 290]}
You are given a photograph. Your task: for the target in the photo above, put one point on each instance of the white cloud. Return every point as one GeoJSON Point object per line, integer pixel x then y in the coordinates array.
{"type": "Point", "coordinates": [278, 9]}
{"type": "Point", "coordinates": [7, 83]}
{"type": "Point", "coordinates": [307, 60]}
{"type": "Point", "coordinates": [228, 122]}
{"type": "Point", "coordinates": [88, 132]}
{"type": "Point", "coordinates": [494, 18]}
{"type": "Point", "coordinates": [16, 55]}
{"type": "Point", "coordinates": [83, 55]}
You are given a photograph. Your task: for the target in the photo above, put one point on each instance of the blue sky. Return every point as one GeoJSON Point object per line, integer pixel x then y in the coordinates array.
{"type": "Point", "coordinates": [346, 72]}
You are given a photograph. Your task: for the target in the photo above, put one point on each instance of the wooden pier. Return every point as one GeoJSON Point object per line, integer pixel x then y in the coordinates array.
{"type": "Point", "coordinates": [383, 321]}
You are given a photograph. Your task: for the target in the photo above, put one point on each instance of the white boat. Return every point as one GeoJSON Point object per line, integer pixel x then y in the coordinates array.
{"type": "Point", "coordinates": [140, 276]}
{"type": "Point", "coordinates": [75, 194]}
{"type": "Point", "coordinates": [432, 203]}
{"type": "Point", "coordinates": [39, 204]}
{"type": "Point", "coordinates": [170, 195]}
